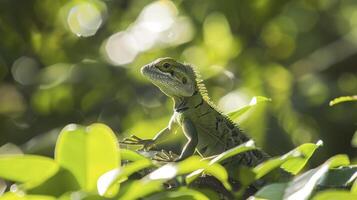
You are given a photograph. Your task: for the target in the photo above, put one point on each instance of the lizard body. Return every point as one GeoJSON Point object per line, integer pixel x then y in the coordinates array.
{"type": "Point", "coordinates": [207, 130]}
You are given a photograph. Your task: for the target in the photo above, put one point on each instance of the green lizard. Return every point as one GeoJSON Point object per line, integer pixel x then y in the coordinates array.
{"type": "Point", "coordinates": [207, 130]}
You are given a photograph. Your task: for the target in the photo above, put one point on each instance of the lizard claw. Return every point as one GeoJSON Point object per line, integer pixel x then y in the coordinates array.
{"type": "Point", "coordinates": [166, 156]}
{"type": "Point", "coordinates": [135, 140]}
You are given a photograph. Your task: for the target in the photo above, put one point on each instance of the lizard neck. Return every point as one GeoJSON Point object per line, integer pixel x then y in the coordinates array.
{"type": "Point", "coordinates": [182, 104]}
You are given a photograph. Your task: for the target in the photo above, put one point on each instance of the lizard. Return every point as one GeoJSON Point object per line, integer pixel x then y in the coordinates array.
{"type": "Point", "coordinates": [208, 131]}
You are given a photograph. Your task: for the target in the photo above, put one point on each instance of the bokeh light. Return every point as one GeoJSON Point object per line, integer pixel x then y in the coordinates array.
{"type": "Point", "coordinates": [158, 24]}
{"type": "Point", "coordinates": [85, 18]}
{"type": "Point", "coordinates": [11, 100]}
{"type": "Point", "coordinates": [25, 70]}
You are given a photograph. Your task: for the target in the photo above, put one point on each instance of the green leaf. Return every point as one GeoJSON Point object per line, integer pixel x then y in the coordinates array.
{"type": "Point", "coordinates": [28, 169]}
{"type": "Point", "coordinates": [183, 192]}
{"type": "Point", "coordinates": [87, 152]}
{"type": "Point", "coordinates": [343, 99]}
{"type": "Point", "coordinates": [14, 196]}
{"type": "Point", "coordinates": [335, 194]}
{"type": "Point", "coordinates": [292, 162]}
{"type": "Point", "coordinates": [63, 177]}
{"type": "Point", "coordinates": [107, 184]}
{"type": "Point", "coordinates": [302, 186]}
{"type": "Point", "coordinates": [338, 177]}
{"type": "Point", "coordinates": [234, 115]}
{"type": "Point", "coordinates": [10, 149]}
{"type": "Point", "coordinates": [296, 164]}
{"type": "Point", "coordinates": [80, 195]}
{"type": "Point", "coordinates": [194, 164]}
{"type": "Point", "coordinates": [126, 154]}
{"type": "Point", "coordinates": [354, 187]}
{"type": "Point", "coordinates": [354, 139]}
{"type": "Point", "coordinates": [3, 186]}
{"type": "Point", "coordinates": [272, 191]}
{"type": "Point", "coordinates": [269, 165]}
{"type": "Point", "coordinates": [153, 181]}
{"type": "Point", "coordinates": [141, 188]}
{"type": "Point", "coordinates": [247, 146]}
{"type": "Point", "coordinates": [338, 160]}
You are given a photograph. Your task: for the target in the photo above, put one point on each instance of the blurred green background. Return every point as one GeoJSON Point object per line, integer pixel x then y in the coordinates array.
{"type": "Point", "coordinates": [79, 62]}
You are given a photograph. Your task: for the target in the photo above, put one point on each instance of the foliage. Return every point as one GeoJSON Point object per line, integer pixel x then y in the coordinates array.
{"type": "Point", "coordinates": [92, 157]}
{"type": "Point", "coordinates": [342, 99]}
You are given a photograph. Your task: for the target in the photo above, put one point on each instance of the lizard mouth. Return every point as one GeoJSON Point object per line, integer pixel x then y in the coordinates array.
{"type": "Point", "coordinates": [154, 74]}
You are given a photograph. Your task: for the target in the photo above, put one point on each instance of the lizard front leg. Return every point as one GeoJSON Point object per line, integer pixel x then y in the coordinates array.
{"type": "Point", "coordinates": [147, 143]}
{"type": "Point", "coordinates": [190, 132]}
{"type": "Point", "coordinates": [189, 148]}
{"type": "Point", "coordinates": [157, 140]}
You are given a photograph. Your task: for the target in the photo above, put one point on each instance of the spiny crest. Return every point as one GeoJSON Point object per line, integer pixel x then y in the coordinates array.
{"type": "Point", "coordinates": [204, 93]}
{"type": "Point", "coordinates": [200, 85]}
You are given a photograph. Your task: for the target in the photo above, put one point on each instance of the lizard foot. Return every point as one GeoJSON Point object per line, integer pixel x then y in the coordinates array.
{"type": "Point", "coordinates": [134, 140]}
{"type": "Point", "coordinates": [166, 156]}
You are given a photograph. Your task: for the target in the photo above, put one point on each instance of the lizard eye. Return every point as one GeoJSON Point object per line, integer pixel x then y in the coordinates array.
{"type": "Point", "coordinates": [166, 65]}
{"type": "Point", "coordinates": [184, 80]}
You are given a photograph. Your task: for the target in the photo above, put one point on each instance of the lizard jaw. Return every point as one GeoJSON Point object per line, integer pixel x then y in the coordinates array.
{"type": "Point", "coordinates": [157, 76]}
{"type": "Point", "coordinates": [165, 81]}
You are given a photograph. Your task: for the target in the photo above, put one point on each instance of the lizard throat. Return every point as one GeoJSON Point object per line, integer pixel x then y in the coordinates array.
{"type": "Point", "coordinates": [185, 103]}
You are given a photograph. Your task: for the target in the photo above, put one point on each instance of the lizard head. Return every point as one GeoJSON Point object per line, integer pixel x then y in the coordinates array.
{"type": "Point", "coordinates": [173, 78]}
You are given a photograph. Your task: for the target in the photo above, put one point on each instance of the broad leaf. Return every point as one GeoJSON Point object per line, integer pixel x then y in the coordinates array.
{"type": "Point", "coordinates": [247, 146]}
{"type": "Point", "coordinates": [182, 192]}
{"type": "Point", "coordinates": [127, 154]}
{"type": "Point", "coordinates": [109, 181]}
{"type": "Point", "coordinates": [354, 187]}
{"type": "Point", "coordinates": [296, 164]}
{"type": "Point", "coordinates": [153, 181]}
{"type": "Point", "coordinates": [14, 196]}
{"type": "Point", "coordinates": [339, 177]}
{"type": "Point", "coordinates": [196, 163]}
{"type": "Point", "coordinates": [3, 186]}
{"type": "Point", "coordinates": [141, 188]}
{"type": "Point", "coordinates": [28, 169]}
{"type": "Point", "coordinates": [302, 186]}
{"type": "Point", "coordinates": [87, 152]}
{"type": "Point", "coordinates": [292, 162]}
{"type": "Point", "coordinates": [63, 177]}
{"type": "Point", "coordinates": [10, 149]}
{"type": "Point", "coordinates": [234, 115]}
{"type": "Point", "coordinates": [273, 191]}
{"type": "Point", "coordinates": [335, 194]}
{"type": "Point", "coordinates": [354, 139]}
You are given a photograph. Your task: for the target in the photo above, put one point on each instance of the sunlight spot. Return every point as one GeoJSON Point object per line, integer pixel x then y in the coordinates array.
{"type": "Point", "coordinates": [167, 171]}
{"type": "Point", "coordinates": [250, 143]}
{"type": "Point", "coordinates": [253, 101]}
{"type": "Point", "coordinates": [320, 143]}
{"type": "Point", "coordinates": [105, 181]}
{"type": "Point", "coordinates": [70, 127]}
{"type": "Point", "coordinates": [84, 19]}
